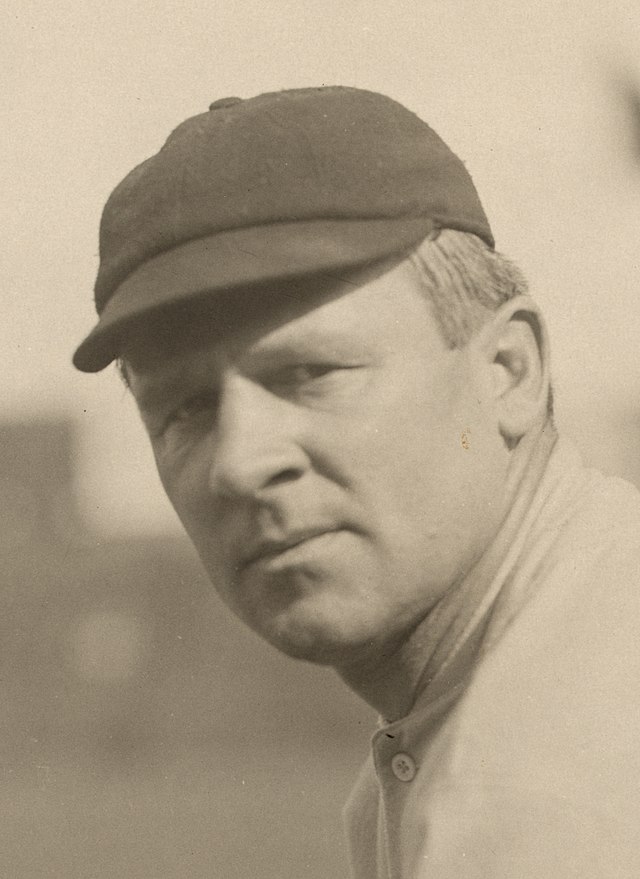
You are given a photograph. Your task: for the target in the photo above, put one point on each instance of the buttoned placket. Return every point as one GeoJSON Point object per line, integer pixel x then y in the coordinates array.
{"type": "Point", "coordinates": [396, 768]}
{"type": "Point", "coordinates": [399, 752]}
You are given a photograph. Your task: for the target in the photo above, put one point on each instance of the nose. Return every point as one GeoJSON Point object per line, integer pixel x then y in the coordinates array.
{"type": "Point", "coordinates": [255, 445]}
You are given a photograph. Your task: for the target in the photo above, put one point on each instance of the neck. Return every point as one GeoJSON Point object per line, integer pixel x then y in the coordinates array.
{"type": "Point", "coordinates": [391, 680]}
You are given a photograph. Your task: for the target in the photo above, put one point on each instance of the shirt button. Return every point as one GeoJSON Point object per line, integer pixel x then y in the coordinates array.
{"type": "Point", "coordinates": [403, 767]}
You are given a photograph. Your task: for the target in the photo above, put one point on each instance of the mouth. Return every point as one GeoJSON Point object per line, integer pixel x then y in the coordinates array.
{"type": "Point", "coordinates": [266, 551]}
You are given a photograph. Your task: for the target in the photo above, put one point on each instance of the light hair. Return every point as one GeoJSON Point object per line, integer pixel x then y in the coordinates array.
{"type": "Point", "coordinates": [464, 282]}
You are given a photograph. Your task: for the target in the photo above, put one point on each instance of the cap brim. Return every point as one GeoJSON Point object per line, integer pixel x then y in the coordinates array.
{"type": "Point", "coordinates": [242, 258]}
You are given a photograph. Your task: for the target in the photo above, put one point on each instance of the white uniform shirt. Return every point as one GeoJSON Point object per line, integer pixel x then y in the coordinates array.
{"type": "Point", "coordinates": [521, 758]}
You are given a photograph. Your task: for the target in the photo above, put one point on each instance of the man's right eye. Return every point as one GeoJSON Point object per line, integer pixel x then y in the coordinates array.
{"type": "Point", "coordinates": [199, 407]}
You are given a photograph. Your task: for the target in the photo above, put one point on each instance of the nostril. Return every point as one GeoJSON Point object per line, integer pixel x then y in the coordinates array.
{"type": "Point", "coordinates": [287, 475]}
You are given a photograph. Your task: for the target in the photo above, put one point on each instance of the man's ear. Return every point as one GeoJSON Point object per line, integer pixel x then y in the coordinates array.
{"type": "Point", "coordinates": [516, 351]}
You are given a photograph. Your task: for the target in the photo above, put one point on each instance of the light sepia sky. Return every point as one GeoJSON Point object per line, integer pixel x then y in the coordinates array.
{"type": "Point", "coordinates": [523, 92]}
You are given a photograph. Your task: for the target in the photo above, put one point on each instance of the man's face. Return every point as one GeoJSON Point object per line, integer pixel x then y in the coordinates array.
{"type": "Point", "coordinates": [336, 466]}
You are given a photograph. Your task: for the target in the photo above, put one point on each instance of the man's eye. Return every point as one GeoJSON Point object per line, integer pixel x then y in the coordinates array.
{"type": "Point", "coordinates": [200, 405]}
{"type": "Point", "coordinates": [303, 374]}
{"type": "Point", "coordinates": [310, 372]}
{"type": "Point", "coordinates": [311, 381]}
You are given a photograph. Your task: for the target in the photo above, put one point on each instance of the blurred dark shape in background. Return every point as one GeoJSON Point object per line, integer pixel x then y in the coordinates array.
{"type": "Point", "coordinates": [144, 733]}
{"type": "Point", "coordinates": [632, 94]}
{"type": "Point", "coordinates": [626, 86]}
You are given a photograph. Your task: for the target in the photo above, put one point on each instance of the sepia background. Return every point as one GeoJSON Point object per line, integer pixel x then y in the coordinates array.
{"type": "Point", "coordinates": [144, 733]}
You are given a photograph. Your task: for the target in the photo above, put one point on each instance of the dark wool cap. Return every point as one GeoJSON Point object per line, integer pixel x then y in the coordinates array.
{"type": "Point", "coordinates": [286, 184]}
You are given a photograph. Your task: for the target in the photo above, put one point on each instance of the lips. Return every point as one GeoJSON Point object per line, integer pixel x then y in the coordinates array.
{"type": "Point", "coordinates": [267, 549]}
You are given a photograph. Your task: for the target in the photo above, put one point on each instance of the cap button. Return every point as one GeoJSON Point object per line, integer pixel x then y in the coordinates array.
{"type": "Point", "coordinates": [224, 102]}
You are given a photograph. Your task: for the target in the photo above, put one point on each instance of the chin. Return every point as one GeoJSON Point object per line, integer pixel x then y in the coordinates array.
{"type": "Point", "coordinates": [313, 639]}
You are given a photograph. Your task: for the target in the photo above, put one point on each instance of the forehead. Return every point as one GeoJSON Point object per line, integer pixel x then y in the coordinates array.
{"type": "Point", "coordinates": [371, 304]}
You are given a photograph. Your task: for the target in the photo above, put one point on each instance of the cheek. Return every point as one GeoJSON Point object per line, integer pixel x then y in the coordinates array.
{"type": "Point", "coordinates": [185, 479]}
{"type": "Point", "coordinates": [461, 488]}
{"type": "Point", "coordinates": [428, 474]}
{"type": "Point", "coordinates": [415, 427]}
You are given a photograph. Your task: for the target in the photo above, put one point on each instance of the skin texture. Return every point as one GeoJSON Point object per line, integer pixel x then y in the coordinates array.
{"type": "Point", "coordinates": [337, 467]}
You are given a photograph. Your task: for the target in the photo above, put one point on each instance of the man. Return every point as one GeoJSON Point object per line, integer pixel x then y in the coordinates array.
{"type": "Point", "coordinates": [347, 394]}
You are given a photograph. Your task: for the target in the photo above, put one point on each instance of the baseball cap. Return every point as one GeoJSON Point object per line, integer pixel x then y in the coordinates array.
{"type": "Point", "coordinates": [286, 184]}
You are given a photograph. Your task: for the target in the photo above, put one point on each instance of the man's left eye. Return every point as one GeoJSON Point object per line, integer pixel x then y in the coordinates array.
{"type": "Point", "coordinates": [313, 382]}
{"type": "Point", "coordinates": [310, 372]}
{"type": "Point", "coordinates": [303, 375]}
